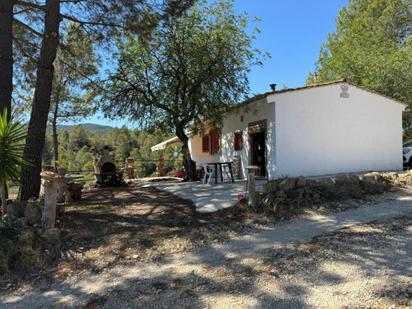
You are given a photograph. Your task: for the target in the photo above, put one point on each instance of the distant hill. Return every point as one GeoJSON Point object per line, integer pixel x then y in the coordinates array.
{"type": "Point", "coordinates": [90, 127]}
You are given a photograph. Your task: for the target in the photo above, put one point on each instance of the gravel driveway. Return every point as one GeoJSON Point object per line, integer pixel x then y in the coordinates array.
{"type": "Point", "coordinates": [345, 263]}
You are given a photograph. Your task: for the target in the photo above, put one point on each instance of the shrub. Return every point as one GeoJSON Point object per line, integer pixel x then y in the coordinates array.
{"type": "Point", "coordinates": [12, 136]}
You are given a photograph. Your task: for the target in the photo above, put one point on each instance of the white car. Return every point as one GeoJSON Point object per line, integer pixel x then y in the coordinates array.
{"type": "Point", "coordinates": [407, 154]}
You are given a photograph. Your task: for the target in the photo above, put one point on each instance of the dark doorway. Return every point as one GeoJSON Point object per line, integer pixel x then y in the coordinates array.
{"type": "Point", "coordinates": [258, 151]}
{"type": "Point", "coordinates": [257, 142]}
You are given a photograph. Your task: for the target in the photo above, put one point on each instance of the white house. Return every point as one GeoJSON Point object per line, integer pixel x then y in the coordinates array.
{"type": "Point", "coordinates": [324, 129]}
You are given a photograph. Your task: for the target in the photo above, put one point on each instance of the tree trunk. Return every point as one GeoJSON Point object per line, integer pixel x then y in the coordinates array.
{"type": "Point", "coordinates": [55, 136]}
{"type": "Point", "coordinates": [188, 163]}
{"type": "Point", "coordinates": [30, 180]}
{"type": "Point", "coordinates": [6, 54]}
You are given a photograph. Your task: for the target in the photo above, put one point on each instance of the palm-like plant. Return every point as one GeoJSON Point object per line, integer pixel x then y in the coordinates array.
{"type": "Point", "coordinates": [12, 136]}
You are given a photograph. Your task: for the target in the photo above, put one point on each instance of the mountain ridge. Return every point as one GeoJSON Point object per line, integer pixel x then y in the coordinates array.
{"type": "Point", "coordinates": [91, 127]}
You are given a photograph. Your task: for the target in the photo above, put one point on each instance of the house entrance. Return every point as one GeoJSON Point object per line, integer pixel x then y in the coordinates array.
{"type": "Point", "coordinates": [257, 139]}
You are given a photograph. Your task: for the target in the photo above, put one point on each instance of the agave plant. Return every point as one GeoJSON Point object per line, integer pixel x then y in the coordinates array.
{"type": "Point", "coordinates": [12, 136]}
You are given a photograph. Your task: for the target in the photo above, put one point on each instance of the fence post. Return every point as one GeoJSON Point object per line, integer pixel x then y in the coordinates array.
{"type": "Point", "coordinates": [251, 171]}
{"type": "Point", "coordinates": [160, 167]}
{"type": "Point", "coordinates": [129, 168]}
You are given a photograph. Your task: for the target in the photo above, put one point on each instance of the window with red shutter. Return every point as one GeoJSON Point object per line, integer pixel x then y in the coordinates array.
{"type": "Point", "coordinates": [205, 143]}
{"type": "Point", "coordinates": [214, 141]}
{"type": "Point", "coordinates": [238, 140]}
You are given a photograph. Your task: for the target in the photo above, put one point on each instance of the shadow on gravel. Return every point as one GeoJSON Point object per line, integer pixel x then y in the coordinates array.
{"type": "Point", "coordinates": [145, 217]}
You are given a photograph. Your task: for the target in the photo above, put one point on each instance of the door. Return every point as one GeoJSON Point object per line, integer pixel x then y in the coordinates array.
{"type": "Point", "coordinates": [257, 140]}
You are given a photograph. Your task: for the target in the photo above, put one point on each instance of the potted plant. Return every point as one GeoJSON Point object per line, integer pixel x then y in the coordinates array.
{"type": "Point", "coordinates": [180, 174]}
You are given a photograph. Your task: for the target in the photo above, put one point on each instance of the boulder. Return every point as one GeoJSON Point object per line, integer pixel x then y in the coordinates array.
{"type": "Point", "coordinates": [271, 186]}
{"type": "Point", "coordinates": [372, 185]}
{"type": "Point", "coordinates": [374, 174]}
{"type": "Point", "coordinates": [325, 188]}
{"type": "Point", "coordinates": [27, 250]}
{"type": "Point", "coordinates": [74, 192]}
{"type": "Point", "coordinates": [51, 236]}
{"type": "Point", "coordinates": [348, 186]}
{"type": "Point", "coordinates": [281, 194]}
{"type": "Point", "coordinates": [287, 184]}
{"type": "Point", "coordinates": [390, 175]}
{"type": "Point", "coordinates": [15, 209]}
{"type": "Point", "coordinates": [300, 182]}
{"type": "Point", "coordinates": [51, 243]}
{"type": "Point", "coordinates": [32, 213]}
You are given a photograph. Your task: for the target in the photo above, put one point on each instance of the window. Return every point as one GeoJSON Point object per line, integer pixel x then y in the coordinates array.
{"type": "Point", "coordinates": [238, 140]}
{"type": "Point", "coordinates": [205, 143]}
{"type": "Point", "coordinates": [214, 141]}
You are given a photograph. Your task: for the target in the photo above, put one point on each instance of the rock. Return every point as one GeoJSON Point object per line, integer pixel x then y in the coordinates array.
{"type": "Point", "coordinates": [287, 184]}
{"type": "Point", "coordinates": [51, 235]}
{"type": "Point", "coordinates": [325, 187]}
{"type": "Point", "coordinates": [371, 185]}
{"type": "Point", "coordinates": [74, 192]}
{"type": "Point", "coordinates": [373, 174]}
{"type": "Point", "coordinates": [390, 176]}
{"type": "Point", "coordinates": [348, 186]}
{"type": "Point", "coordinates": [32, 213]}
{"type": "Point", "coordinates": [15, 209]}
{"type": "Point", "coordinates": [51, 243]}
{"type": "Point", "coordinates": [271, 186]}
{"type": "Point", "coordinates": [281, 194]}
{"type": "Point", "coordinates": [300, 182]}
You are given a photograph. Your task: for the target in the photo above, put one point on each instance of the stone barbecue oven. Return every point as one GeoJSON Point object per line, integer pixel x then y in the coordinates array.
{"type": "Point", "coordinates": [105, 170]}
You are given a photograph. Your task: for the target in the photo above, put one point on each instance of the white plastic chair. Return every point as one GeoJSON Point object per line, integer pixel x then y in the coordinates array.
{"type": "Point", "coordinates": [209, 173]}
{"type": "Point", "coordinates": [226, 172]}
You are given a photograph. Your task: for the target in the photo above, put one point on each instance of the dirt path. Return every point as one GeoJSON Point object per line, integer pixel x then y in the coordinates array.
{"type": "Point", "coordinates": [301, 263]}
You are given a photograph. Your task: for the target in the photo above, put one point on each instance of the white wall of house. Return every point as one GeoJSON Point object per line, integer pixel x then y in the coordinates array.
{"type": "Point", "coordinates": [318, 132]}
{"type": "Point", "coordinates": [233, 122]}
{"type": "Point", "coordinates": [200, 157]}
{"type": "Point", "coordinates": [315, 131]}
{"type": "Point", "coordinates": [256, 111]}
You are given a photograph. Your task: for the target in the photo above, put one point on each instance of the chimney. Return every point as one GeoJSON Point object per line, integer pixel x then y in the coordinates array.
{"type": "Point", "coordinates": [273, 87]}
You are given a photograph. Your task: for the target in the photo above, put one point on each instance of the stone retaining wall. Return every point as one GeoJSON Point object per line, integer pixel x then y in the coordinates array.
{"type": "Point", "coordinates": [289, 195]}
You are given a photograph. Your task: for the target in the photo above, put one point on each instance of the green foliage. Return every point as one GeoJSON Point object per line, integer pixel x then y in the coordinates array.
{"type": "Point", "coordinates": [74, 74]}
{"type": "Point", "coordinates": [12, 136]}
{"type": "Point", "coordinates": [191, 69]}
{"type": "Point", "coordinates": [7, 231]}
{"type": "Point", "coordinates": [371, 47]}
{"type": "Point", "coordinates": [77, 148]}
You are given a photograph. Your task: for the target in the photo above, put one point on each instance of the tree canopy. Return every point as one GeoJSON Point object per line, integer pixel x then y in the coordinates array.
{"type": "Point", "coordinates": [78, 145]}
{"type": "Point", "coordinates": [27, 25]}
{"type": "Point", "coordinates": [189, 71]}
{"type": "Point", "coordinates": [371, 47]}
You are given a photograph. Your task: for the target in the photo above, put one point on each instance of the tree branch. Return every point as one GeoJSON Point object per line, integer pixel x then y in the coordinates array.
{"type": "Point", "coordinates": [27, 27]}
{"type": "Point", "coordinates": [30, 5]}
{"type": "Point", "coordinates": [86, 22]}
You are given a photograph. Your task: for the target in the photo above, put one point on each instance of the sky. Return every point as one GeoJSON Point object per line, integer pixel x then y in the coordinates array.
{"type": "Point", "coordinates": [292, 31]}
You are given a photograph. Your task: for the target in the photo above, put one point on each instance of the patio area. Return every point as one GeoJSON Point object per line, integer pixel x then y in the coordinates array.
{"type": "Point", "coordinates": [207, 198]}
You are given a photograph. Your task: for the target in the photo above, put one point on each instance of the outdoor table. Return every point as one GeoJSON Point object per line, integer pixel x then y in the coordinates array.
{"type": "Point", "coordinates": [220, 165]}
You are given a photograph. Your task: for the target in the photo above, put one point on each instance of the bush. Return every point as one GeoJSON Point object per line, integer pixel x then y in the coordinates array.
{"type": "Point", "coordinates": [7, 232]}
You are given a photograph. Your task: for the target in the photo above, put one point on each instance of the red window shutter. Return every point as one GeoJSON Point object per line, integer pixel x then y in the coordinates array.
{"type": "Point", "coordinates": [215, 142]}
{"type": "Point", "coordinates": [238, 140]}
{"type": "Point", "coordinates": [205, 143]}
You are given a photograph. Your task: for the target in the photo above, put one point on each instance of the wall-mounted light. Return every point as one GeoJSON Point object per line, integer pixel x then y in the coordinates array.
{"type": "Point", "coordinates": [344, 94]}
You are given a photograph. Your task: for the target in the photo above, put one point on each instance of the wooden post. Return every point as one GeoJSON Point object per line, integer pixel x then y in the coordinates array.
{"type": "Point", "coordinates": [61, 191]}
{"type": "Point", "coordinates": [160, 167]}
{"type": "Point", "coordinates": [251, 185]}
{"type": "Point", "coordinates": [129, 168]}
{"type": "Point", "coordinates": [48, 218]}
